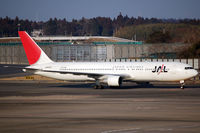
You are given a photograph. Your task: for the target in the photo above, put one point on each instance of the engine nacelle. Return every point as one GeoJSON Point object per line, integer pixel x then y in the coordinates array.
{"type": "Point", "coordinates": [114, 81]}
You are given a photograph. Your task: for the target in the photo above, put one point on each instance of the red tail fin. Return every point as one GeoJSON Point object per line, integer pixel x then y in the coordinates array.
{"type": "Point", "coordinates": [32, 50]}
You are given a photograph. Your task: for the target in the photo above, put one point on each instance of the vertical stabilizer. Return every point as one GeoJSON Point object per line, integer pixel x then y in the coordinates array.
{"type": "Point", "coordinates": [34, 53]}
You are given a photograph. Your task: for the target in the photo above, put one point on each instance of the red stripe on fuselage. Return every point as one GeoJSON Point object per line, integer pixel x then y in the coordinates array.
{"type": "Point", "coordinates": [161, 68]}
{"type": "Point", "coordinates": [32, 51]}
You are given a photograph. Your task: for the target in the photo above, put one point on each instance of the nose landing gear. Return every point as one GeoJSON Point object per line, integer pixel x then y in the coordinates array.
{"type": "Point", "coordinates": [182, 84]}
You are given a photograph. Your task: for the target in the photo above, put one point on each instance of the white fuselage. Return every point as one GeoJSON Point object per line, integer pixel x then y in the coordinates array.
{"type": "Point", "coordinates": [134, 71]}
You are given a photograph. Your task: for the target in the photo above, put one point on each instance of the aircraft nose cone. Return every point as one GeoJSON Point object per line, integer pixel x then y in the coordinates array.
{"type": "Point", "coordinates": [195, 73]}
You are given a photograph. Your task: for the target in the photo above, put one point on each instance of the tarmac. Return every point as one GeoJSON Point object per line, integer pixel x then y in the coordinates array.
{"type": "Point", "coordinates": [78, 108]}
{"type": "Point", "coordinates": [29, 106]}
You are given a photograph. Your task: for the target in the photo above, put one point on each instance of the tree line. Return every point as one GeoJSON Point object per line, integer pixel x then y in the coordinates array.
{"type": "Point", "coordinates": [97, 26]}
{"type": "Point", "coordinates": [161, 33]}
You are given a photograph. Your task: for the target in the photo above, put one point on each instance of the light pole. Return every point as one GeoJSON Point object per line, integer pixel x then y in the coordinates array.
{"type": "Point", "coordinates": [18, 25]}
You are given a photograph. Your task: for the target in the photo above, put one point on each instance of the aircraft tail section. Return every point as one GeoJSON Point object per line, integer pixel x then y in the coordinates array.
{"type": "Point", "coordinates": [34, 53]}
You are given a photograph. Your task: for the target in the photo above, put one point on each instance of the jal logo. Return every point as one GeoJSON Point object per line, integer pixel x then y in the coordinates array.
{"type": "Point", "coordinates": [160, 69]}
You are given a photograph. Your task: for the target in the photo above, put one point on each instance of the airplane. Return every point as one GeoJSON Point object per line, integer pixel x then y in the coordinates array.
{"type": "Point", "coordinates": [110, 73]}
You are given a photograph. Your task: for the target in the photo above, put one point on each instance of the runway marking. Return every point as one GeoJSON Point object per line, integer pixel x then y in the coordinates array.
{"type": "Point", "coordinates": [161, 129]}
{"type": "Point", "coordinates": [121, 130]}
{"type": "Point", "coordinates": [190, 126]}
{"type": "Point", "coordinates": [50, 97]}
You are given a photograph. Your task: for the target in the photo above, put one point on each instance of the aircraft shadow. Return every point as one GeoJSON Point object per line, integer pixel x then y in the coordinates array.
{"type": "Point", "coordinates": [124, 86]}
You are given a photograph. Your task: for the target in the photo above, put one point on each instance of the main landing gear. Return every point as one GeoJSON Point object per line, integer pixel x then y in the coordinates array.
{"type": "Point", "coordinates": [98, 85]}
{"type": "Point", "coordinates": [182, 84]}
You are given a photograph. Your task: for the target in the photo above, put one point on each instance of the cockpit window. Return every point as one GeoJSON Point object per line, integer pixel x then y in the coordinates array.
{"type": "Point", "coordinates": [186, 68]}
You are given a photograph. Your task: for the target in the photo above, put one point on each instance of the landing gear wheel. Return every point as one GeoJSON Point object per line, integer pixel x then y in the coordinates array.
{"type": "Point", "coordinates": [98, 87]}
{"type": "Point", "coordinates": [182, 84]}
{"type": "Point", "coordinates": [101, 87]}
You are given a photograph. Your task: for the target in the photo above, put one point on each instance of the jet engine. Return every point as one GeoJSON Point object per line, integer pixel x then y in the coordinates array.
{"type": "Point", "coordinates": [114, 80]}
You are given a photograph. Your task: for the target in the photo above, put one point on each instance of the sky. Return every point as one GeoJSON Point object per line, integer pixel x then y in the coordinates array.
{"type": "Point", "coordinates": [42, 10]}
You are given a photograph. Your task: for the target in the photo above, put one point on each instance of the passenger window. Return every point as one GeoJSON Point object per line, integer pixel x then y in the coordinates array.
{"type": "Point", "coordinates": [186, 68]}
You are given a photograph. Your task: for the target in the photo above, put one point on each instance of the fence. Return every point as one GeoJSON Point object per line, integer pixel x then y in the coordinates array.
{"type": "Point", "coordinates": [15, 54]}
{"type": "Point", "coordinates": [63, 52]}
